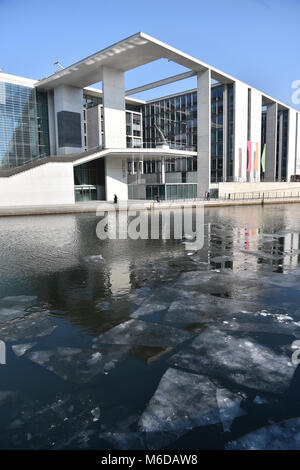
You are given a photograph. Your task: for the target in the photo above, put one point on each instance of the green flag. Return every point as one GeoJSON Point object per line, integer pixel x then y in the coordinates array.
{"type": "Point", "coordinates": [263, 159]}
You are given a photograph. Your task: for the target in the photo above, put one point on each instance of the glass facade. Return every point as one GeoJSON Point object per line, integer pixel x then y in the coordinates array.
{"type": "Point", "coordinates": [282, 145]}
{"type": "Point", "coordinates": [24, 131]}
{"type": "Point", "coordinates": [217, 134]}
{"type": "Point", "coordinates": [165, 191]}
{"type": "Point", "coordinates": [172, 119]}
{"type": "Point", "coordinates": [230, 132]}
{"type": "Point", "coordinates": [175, 120]}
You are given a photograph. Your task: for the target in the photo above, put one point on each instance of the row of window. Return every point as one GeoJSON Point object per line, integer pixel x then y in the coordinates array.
{"type": "Point", "coordinates": [24, 130]}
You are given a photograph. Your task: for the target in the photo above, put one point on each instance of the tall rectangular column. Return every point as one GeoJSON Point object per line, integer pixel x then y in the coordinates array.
{"type": "Point", "coordinates": [255, 134]}
{"type": "Point", "coordinates": [116, 178]}
{"type": "Point", "coordinates": [271, 142]}
{"type": "Point", "coordinates": [204, 130]}
{"type": "Point", "coordinates": [297, 162]}
{"type": "Point", "coordinates": [292, 142]}
{"type": "Point", "coordinates": [240, 131]}
{"type": "Point", "coordinates": [68, 111]}
{"type": "Point", "coordinates": [114, 108]}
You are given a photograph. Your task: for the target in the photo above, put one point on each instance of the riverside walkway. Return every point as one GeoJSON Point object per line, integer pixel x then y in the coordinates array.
{"type": "Point", "coordinates": [93, 206]}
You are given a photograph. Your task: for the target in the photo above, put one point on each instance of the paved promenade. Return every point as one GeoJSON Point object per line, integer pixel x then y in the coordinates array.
{"type": "Point", "coordinates": [92, 206]}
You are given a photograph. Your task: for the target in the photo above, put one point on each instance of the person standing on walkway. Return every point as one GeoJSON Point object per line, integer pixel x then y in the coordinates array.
{"type": "Point", "coordinates": [115, 199]}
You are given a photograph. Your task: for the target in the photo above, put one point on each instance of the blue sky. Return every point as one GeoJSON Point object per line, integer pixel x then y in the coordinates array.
{"type": "Point", "coordinates": [256, 41]}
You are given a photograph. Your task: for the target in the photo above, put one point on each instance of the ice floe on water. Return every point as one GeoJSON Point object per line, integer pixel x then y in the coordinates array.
{"type": "Point", "coordinates": [94, 259]}
{"type": "Point", "coordinates": [240, 360]}
{"type": "Point", "coordinates": [14, 306]}
{"type": "Point", "coordinates": [17, 300]}
{"type": "Point", "coordinates": [260, 401]}
{"type": "Point", "coordinates": [20, 349]}
{"type": "Point", "coordinates": [140, 333]}
{"type": "Point", "coordinates": [204, 308]}
{"type": "Point", "coordinates": [65, 420]}
{"type": "Point", "coordinates": [79, 365]}
{"type": "Point", "coordinates": [32, 326]}
{"type": "Point", "coordinates": [182, 401]}
{"type": "Point", "coordinates": [282, 436]}
{"type": "Point", "coordinates": [149, 307]}
{"type": "Point", "coordinates": [229, 407]}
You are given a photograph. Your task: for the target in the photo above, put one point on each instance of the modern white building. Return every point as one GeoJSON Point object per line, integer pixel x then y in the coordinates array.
{"type": "Point", "coordinates": [63, 141]}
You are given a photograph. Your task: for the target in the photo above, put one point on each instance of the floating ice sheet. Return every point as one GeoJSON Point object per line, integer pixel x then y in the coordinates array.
{"type": "Point", "coordinates": [31, 326]}
{"type": "Point", "coordinates": [79, 365]}
{"type": "Point", "coordinates": [140, 333]}
{"type": "Point", "coordinates": [240, 360]}
{"type": "Point", "coordinates": [14, 307]}
{"type": "Point", "coordinates": [20, 349]}
{"type": "Point", "coordinates": [181, 402]}
{"type": "Point", "coordinates": [148, 307]}
{"type": "Point", "coordinates": [281, 436]}
{"type": "Point", "coordinates": [229, 407]}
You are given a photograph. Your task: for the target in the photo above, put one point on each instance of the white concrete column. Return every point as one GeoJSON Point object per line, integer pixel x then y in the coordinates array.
{"type": "Point", "coordinates": [255, 116]}
{"type": "Point", "coordinates": [292, 141]}
{"type": "Point", "coordinates": [280, 130]}
{"type": "Point", "coordinates": [297, 162]}
{"type": "Point", "coordinates": [116, 178]}
{"type": "Point", "coordinates": [68, 111]}
{"type": "Point", "coordinates": [93, 127]}
{"type": "Point", "coordinates": [271, 142]}
{"type": "Point", "coordinates": [204, 130]}
{"type": "Point", "coordinates": [240, 130]}
{"type": "Point", "coordinates": [163, 171]}
{"type": "Point", "coordinates": [114, 108]}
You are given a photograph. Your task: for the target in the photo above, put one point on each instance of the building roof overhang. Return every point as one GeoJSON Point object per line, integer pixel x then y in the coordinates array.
{"type": "Point", "coordinates": [125, 55]}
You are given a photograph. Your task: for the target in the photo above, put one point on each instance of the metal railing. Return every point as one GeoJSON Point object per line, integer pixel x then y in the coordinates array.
{"type": "Point", "coordinates": [262, 195]}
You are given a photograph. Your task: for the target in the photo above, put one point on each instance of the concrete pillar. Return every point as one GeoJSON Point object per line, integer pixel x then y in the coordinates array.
{"type": "Point", "coordinates": [280, 130]}
{"type": "Point", "coordinates": [204, 130]}
{"type": "Point", "coordinates": [292, 142]}
{"type": "Point", "coordinates": [68, 110]}
{"type": "Point", "coordinates": [93, 127]}
{"type": "Point", "coordinates": [255, 136]}
{"type": "Point", "coordinates": [271, 142]}
{"type": "Point", "coordinates": [240, 131]}
{"type": "Point", "coordinates": [163, 171]}
{"type": "Point", "coordinates": [297, 162]}
{"type": "Point", "coordinates": [114, 108]}
{"type": "Point", "coordinates": [116, 178]}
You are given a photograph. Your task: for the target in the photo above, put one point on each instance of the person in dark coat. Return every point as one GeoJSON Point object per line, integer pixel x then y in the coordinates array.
{"type": "Point", "coordinates": [115, 199]}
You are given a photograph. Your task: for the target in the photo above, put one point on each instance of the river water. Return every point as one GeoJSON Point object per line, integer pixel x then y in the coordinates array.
{"type": "Point", "coordinates": [142, 344]}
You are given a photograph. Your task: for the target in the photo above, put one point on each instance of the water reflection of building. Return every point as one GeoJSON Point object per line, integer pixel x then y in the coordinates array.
{"type": "Point", "coordinates": [248, 244]}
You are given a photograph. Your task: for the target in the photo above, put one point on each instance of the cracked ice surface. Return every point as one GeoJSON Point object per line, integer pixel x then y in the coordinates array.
{"type": "Point", "coordinates": [79, 365]}
{"type": "Point", "coordinates": [229, 407]}
{"type": "Point", "coordinates": [20, 349]}
{"type": "Point", "coordinates": [65, 420]}
{"type": "Point", "coordinates": [140, 333]}
{"type": "Point", "coordinates": [148, 307]}
{"type": "Point", "coordinates": [281, 436]}
{"type": "Point", "coordinates": [181, 402]}
{"type": "Point", "coordinates": [240, 360]}
{"type": "Point", "coordinates": [14, 306]}
{"type": "Point", "coordinates": [31, 326]}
